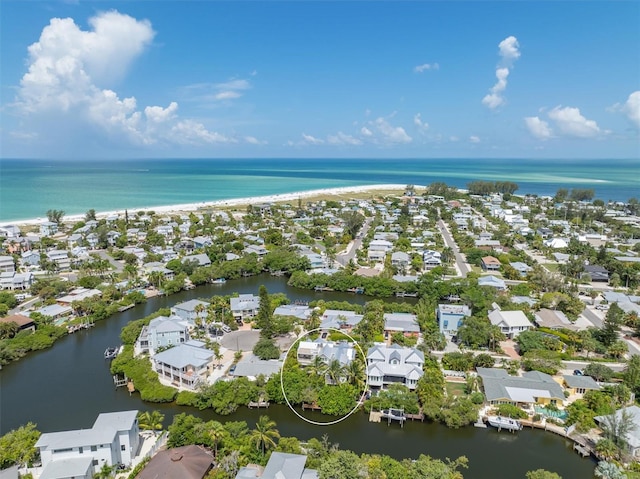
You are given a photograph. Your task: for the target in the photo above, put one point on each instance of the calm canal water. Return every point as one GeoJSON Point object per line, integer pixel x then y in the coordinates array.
{"type": "Point", "coordinates": [67, 386]}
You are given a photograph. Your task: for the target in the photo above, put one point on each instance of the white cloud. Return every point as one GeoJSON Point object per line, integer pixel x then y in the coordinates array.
{"type": "Point", "coordinates": [227, 95]}
{"type": "Point", "coordinates": [364, 131]}
{"type": "Point", "coordinates": [538, 128]}
{"type": "Point", "coordinates": [68, 72]}
{"type": "Point", "coordinates": [454, 138]}
{"type": "Point", "coordinates": [426, 67]}
{"type": "Point", "coordinates": [474, 139]}
{"type": "Point", "coordinates": [343, 139]}
{"type": "Point", "coordinates": [390, 133]}
{"type": "Point", "coordinates": [191, 132]}
{"type": "Point", "coordinates": [570, 121]}
{"type": "Point", "coordinates": [417, 121]}
{"type": "Point", "coordinates": [311, 140]}
{"type": "Point", "coordinates": [252, 140]}
{"type": "Point", "coordinates": [631, 108]}
{"type": "Point", "coordinates": [157, 114]}
{"type": "Point", "coordinates": [508, 51]}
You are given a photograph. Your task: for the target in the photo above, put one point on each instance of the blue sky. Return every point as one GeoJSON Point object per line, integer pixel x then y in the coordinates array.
{"type": "Point", "coordinates": [320, 79]}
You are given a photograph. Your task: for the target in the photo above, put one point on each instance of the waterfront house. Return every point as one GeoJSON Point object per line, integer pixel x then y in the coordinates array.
{"type": "Point", "coordinates": [339, 319]}
{"type": "Point", "coordinates": [190, 310]}
{"type": "Point", "coordinates": [281, 465]}
{"type": "Point", "coordinates": [256, 249]}
{"type": "Point", "coordinates": [186, 462]}
{"type": "Point", "coordinates": [632, 439]}
{"type": "Point", "coordinates": [298, 311]}
{"type": "Point", "coordinates": [198, 259]}
{"type": "Point", "coordinates": [78, 294]}
{"type": "Point", "coordinates": [251, 367]}
{"type": "Point", "coordinates": [30, 258]}
{"type": "Point", "coordinates": [185, 365]}
{"type": "Point", "coordinates": [511, 323]}
{"type": "Point", "coordinates": [328, 351]}
{"type": "Point", "coordinates": [162, 332]}
{"type": "Point", "coordinates": [404, 323]}
{"type": "Point", "coordinates": [578, 385]}
{"type": "Point", "coordinates": [113, 439]}
{"type": "Point", "coordinates": [245, 306]}
{"type": "Point", "coordinates": [394, 364]}
{"type": "Point", "coordinates": [532, 388]}
{"type": "Point", "coordinates": [24, 323]}
{"type": "Point", "coordinates": [54, 311]}
{"type": "Point", "coordinates": [450, 317]}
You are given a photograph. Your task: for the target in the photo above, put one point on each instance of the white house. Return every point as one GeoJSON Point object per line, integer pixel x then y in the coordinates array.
{"type": "Point", "coordinates": [245, 306]}
{"type": "Point", "coordinates": [162, 332]}
{"type": "Point", "coordinates": [511, 323]}
{"type": "Point", "coordinates": [190, 310]}
{"type": "Point", "coordinates": [185, 365]}
{"type": "Point", "coordinates": [113, 439]}
{"type": "Point", "coordinates": [394, 364]}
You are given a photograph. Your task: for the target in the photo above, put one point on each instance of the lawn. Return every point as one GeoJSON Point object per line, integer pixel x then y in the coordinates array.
{"type": "Point", "coordinates": [455, 389]}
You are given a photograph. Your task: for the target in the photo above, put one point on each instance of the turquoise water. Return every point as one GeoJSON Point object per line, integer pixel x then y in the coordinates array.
{"type": "Point", "coordinates": [28, 188]}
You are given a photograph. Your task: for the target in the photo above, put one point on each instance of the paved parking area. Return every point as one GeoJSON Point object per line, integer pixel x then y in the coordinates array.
{"type": "Point", "coordinates": [240, 340]}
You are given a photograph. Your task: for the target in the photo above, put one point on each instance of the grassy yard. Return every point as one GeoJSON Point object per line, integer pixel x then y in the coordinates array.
{"type": "Point", "coordinates": [455, 389]}
{"type": "Point", "coordinates": [553, 267]}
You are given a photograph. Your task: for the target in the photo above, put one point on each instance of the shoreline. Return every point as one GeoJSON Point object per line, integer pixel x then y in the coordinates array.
{"type": "Point", "coordinates": [193, 207]}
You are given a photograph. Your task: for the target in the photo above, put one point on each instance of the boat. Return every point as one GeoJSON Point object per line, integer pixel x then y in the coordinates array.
{"type": "Point", "coordinates": [393, 415]}
{"type": "Point", "coordinates": [219, 281]}
{"type": "Point", "coordinates": [110, 353]}
{"type": "Point", "coordinates": [502, 422]}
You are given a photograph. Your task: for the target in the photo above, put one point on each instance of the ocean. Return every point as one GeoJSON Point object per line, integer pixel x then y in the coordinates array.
{"type": "Point", "coordinates": [28, 188]}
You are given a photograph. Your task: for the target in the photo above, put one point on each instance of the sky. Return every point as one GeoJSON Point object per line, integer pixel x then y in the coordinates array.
{"type": "Point", "coordinates": [305, 79]}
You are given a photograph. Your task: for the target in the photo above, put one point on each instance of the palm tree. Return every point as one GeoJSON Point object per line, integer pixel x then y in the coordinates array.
{"type": "Point", "coordinates": [335, 371]}
{"type": "Point", "coordinates": [318, 365]}
{"type": "Point", "coordinates": [105, 472]}
{"type": "Point", "coordinates": [216, 432]}
{"type": "Point", "coordinates": [606, 449]}
{"type": "Point", "coordinates": [265, 434]}
{"type": "Point", "coordinates": [355, 373]}
{"type": "Point", "coordinates": [151, 421]}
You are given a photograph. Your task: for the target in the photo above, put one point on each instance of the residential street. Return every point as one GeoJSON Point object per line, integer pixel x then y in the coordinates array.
{"type": "Point", "coordinates": [461, 265]}
{"type": "Point", "coordinates": [344, 257]}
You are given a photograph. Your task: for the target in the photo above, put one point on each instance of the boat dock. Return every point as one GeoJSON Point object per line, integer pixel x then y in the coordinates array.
{"type": "Point", "coordinates": [580, 449]}
{"type": "Point", "coordinates": [124, 308]}
{"type": "Point", "coordinates": [258, 404]}
{"type": "Point", "coordinates": [313, 407]}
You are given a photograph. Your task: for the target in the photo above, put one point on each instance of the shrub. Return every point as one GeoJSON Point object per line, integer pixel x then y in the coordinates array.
{"type": "Point", "coordinates": [510, 410]}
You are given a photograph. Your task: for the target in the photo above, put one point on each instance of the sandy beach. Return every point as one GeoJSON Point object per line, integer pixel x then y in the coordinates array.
{"type": "Point", "coordinates": [193, 207]}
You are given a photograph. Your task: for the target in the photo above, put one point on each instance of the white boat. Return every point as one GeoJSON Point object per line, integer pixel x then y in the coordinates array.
{"type": "Point", "coordinates": [110, 353]}
{"type": "Point", "coordinates": [219, 281]}
{"type": "Point", "coordinates": [393, 414]}
{"type": "Point", "coordinates": [502, 422]}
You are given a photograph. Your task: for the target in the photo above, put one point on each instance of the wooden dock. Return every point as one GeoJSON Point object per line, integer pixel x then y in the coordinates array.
{"type": "Point", "coordinates": [258, 404]}
{"type": "Point", "coordinates": [130, 387]}
{"type": "Point", "coordinates": [124, 308]}
{"type": "Point", "coordinates": [313, 407]}
{"type": "Point", "coordinates": [375, 416]}
{"type": "Point", "coordinates": [580, 449]}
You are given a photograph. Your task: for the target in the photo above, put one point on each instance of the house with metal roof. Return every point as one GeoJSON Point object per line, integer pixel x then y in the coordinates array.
{"type": "Point", "coordinates": [405, 323]}
{"type": "Point", "coordinates": [394, 364]}
{"type": "Point", "coordinates": [189, 310]}
{"type": "Point", "coordinates": [553, 319]}
{"type": "Point", "coordinates": [632, 439]}
{"type": "Point", "coordinates": [532, 388]}
{"type": "Point", "coordinates": [578, 385]}
{"type": "Point", "coordinates": [281, 465]}
{"type": "Point", "coordinates": [339, 319]}
{"type": "Point", "coordinates": [113, 439]}
{"type": "Point", "coordinates": [184, 366]}
{"type": "Point", "coordinates": [492, 281]}
{"type": "Point", "coordinates": [511, 323]}
{"type": "Point", "coordinates": [245, 306]}
{"type": "Point", "coordinates": [162, 332]}
{"type": "Point", "coordinates": [341, 351]}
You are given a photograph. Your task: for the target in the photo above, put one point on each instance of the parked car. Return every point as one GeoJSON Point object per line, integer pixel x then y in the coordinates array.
{"type": "Point", "coordinates": [578, 372]}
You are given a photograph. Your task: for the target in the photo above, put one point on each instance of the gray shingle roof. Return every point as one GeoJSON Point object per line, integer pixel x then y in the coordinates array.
{"type": "Point", "coordinates": [525, 388]}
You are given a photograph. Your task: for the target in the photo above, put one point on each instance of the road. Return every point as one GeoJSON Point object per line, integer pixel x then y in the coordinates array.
{"type": "Point", "coordinates": [354, 246]}
{"type": "Point", "coordinates": [118, 266]}
{"type": "Point", "coordinates": [461, 264]}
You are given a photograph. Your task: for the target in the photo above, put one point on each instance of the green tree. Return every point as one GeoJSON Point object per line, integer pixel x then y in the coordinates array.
{"type": "Point", "coordinates": [264, 318]}
{"type": "Point", "coordinates": [598, 371]}
{"type": "Point", "coordinates": [55, 216]}
{"type": "Point", "coordinates": [606, 449]}
{"type": "Point", "coordinates": [542, 474]}
{"type": "Point", "coordinates": [151, 421]}
{"type": "Point", "coordinates": [609, 470]}
{"type": "Point", "coordinates": [17, 446]}
{"type": "Point", "coordinates": [266, 348]}
{"type": "Point", "coordinates": [265, 435]}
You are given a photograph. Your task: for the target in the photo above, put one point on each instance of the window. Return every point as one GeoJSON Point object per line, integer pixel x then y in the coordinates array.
{"type": "Point", "coordinates": [80, 450]}
{"type": "Point", "coordinates": [123, 448]}
{"type": "Point", "coordinates": [94, 448]}
{"type": "Point", "coordinates": [95, 462]}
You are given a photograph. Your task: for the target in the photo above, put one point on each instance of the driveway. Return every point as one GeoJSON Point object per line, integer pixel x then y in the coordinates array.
{"type": "Point", "coordinates": [240, 340]}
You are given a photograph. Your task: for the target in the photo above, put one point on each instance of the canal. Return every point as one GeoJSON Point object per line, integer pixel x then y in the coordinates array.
{"type": "Point", "coordinates": [67, 386]}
